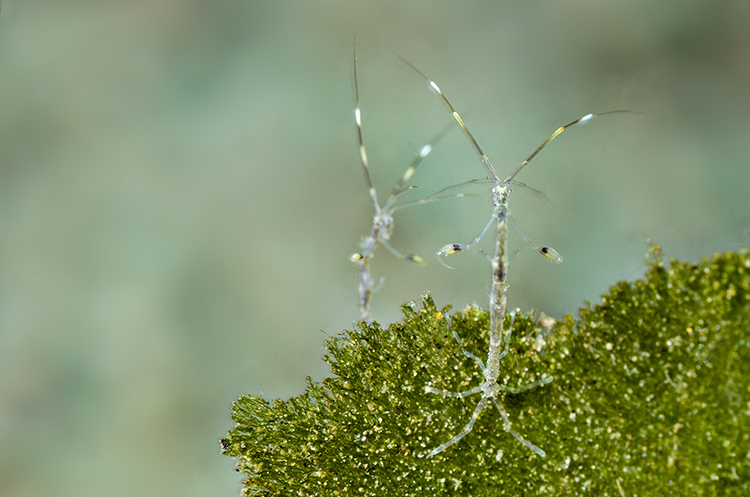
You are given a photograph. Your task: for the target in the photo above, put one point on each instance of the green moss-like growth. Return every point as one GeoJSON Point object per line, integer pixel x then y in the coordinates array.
{"type": "Point", "coordinates": [650, 396]}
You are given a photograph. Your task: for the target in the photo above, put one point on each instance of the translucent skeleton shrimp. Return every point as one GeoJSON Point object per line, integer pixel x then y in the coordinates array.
{"type": "Point", "coordinates": [382, 221]}
{"type": "Point", "coordinates": [499, 337]}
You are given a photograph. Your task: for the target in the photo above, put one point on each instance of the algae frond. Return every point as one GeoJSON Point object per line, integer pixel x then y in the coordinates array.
{"type": "Point", "coordinates": [650, 396]}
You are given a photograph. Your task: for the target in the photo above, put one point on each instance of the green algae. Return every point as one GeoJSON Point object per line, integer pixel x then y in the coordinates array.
{"type": "Point", "coordinates": [650, 397]}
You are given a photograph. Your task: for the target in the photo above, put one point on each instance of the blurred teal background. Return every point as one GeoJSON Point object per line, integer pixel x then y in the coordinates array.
{"type": "Point", "coordinates": [180, 192]}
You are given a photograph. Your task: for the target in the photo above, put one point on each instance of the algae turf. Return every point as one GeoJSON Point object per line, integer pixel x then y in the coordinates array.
{"type": "Point", "coordinates": [650, 397]}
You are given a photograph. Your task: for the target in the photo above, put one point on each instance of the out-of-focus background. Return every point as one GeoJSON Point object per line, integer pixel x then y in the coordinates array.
{"type": "Point", "coordinates": [180, 192]}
